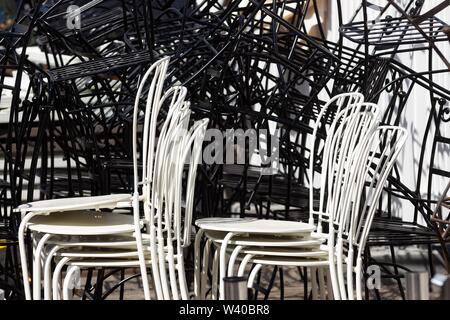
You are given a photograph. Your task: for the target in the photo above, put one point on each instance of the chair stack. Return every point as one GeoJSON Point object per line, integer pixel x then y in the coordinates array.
{"type": "Point", "coordinates": [92, 232]}
{"type": "Point", "coordinates": [357, 156]}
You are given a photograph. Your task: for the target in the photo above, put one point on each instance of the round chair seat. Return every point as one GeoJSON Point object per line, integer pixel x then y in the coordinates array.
{"type": "Point", "coordinates": [266, 241]}
{"type": "Point", "coordinates": [291, 261]}
{"type": "Point", "coordinates": [82, 223]}
{"type": "Point", "coordinates": [254, 226]}
{"type": "Point", "coordinates": [76, 203]}
{"type": "Point", "coordinates": [286, 252]}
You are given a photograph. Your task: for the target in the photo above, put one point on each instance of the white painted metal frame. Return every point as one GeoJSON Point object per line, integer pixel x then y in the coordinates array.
{"type": "Point", "coordinates": [159, 70]}
{"type": "Point", "coordinates": [375, 160]}
{"type": "Point", "coordinates": [348, 106]}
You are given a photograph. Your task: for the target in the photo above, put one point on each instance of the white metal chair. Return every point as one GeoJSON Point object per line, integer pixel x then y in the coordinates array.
{"type": "Point", "coordinates": [172, 230]}
{"type": "Point", "coordinates": [77, 227]}
{"type": "Point", "coordinates": [158, 72]}
{"type": "Point", "coordinates": [359, 121]}
{"type": "Point", "coordinates": [375, 160]}
{"type": "Point", "coordinates": [167, 192]}
{"type": "Point", "coordinates": [352, 133]}
{"type": "Point", "coordinates": [371, 165]}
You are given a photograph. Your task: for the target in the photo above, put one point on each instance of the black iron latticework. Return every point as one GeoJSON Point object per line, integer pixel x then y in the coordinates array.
{"type": "Point", "coordinates": [247, 64]}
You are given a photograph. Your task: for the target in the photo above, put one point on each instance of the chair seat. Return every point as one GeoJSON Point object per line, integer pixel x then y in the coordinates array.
{"type": "Point", "coordinates": [281, 252]}
{"type": "Point", "coordinates": [268, 241]}
{"type": "Point", "coordinates": [286, 252]}
{"type": "Point", "coordinates": [116, 241]}
{"type": "Point", "coordinates": [390, 231]}
{"type": "Point", "coordinates": [77, 203]}
{"type": "Point", "coordinates": [255, 226]}
{"type": "Point", "coordinates": [103, 253]}
{"type": "Point", "coordinates": [124, 263]}
{"type": "Point", "coordinates": [289, 261]}
{"type": "Point", "coordinates": [82, 223]}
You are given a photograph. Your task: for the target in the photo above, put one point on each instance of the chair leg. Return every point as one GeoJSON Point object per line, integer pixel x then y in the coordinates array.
{"type": "Point", "coordinates": [222, 261]}
{"type": "Point", "coordinates": [281, 283]}
{"type": "Point", "coordinates": [56, 277]}
{"type": "Point", "coordinates": [358, 271]}
{"type": "Point", "coordinates": [197, 258]}
{"type": "Point", "coordinates": [300, 272]}
{"type": "Point", "coordinates": [252, 276]}
{"type": "Point", "coordinates": [334, 281]}
{"type": "Point", "coordinates": [232, 260]}
{"type": "Point", "coordinates": [172, 273]}
{"type": "Point", "coordinates": [88, 283]}
{"type": "Point", "coordinates": [37, 267]}
{"type": "Point", "coordinates": [330, 291]}
{"type": "Point", "coordinates": [72, 272]}
{"type": "Point", "coordinates": [162, 268]}
{"type": "Point", "coordinates": [215, 272]}
{"type": "Point", "coordinates": [244, 264]}
{"type": "Point", "coordinates": [258, 281]}
{"type": "Point", "coordinates": [122, 286]}
{"type": "Point", "coordinates": [140, 247]}
{"type": "Point", "coordinates": [182, 278]}
{"type": "Point", "coordinates": [23, 254]}
{"type": "Point", "coordinates": [98, 292]}
{"type": "Point", "coordinates": [305, 283]}
{"type": "Point", "coordinates": [204, 270]}
{"type": "Point", "coordinates": [155, 264]}
{"type": "Point", "coordinates": [47, 272]}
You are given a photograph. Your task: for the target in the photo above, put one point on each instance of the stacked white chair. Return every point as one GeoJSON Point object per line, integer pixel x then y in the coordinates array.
{"type": "Point", "coordinates": [172, 151]}
{"type": "Point", "coordinates": [171, 231]}
{"type": "Point", "coordinates": [288, 234]}
{"type": "Point", "coordinates": [374, 161]}
{"type": "Point", "coordinates": [370, 164]}
{"type": "Point", "coordinates": [352, 128]}
{"type": "Point", "coordinates": [71, 231]}
{"type": "Point", "coordinates": [74, 205]}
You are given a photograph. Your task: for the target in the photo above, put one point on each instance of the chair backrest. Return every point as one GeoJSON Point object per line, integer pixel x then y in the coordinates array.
{"type": "Point", "coordinates": [180, 146]}
{"type": "Point", "coordinates": [356, 124]}
{"type": "Point", "coordinates": [177, 107]}
{"type": "Point", "coordinates": [371, 165]}
{"type": "Point", "coordinates": [151, 111]}
{"type": "Point", "coordinates": [178, 116]}
{"type": "Point", "coordinates": [326, 125]}
{"type": "Point", "coordinates": [356, 127]}
{"type": "Point", "coordinates": [182, 154]}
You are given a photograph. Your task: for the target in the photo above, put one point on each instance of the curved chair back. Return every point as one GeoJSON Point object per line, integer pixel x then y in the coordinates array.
{"type": "Point", "coordinates": [154, 205]}
{"type": "Point", "coordinates": [371, 165]}
{"type": "Point", "coordinates": [151, 111]}
{"type": "Point", "coordinates": [351, 128]}
{"type": "Point", "coordinates": [324, 126]}
{"type": "Point", "coordinates": [178, 147]}
{"type": "Point", "coordinates": [356, 125]}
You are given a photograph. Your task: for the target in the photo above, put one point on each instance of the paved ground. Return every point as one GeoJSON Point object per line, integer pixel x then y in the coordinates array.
{"type": "Point", "coordinates": [413, 258]}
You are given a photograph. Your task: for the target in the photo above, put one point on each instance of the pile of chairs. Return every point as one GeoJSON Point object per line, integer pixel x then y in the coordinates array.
{"type": "Point", "coordinates": [245, 64]}
{"type": "Point", "coordinates": [85, 233]}
{"type": "Point", "coordinates": [358, 156]}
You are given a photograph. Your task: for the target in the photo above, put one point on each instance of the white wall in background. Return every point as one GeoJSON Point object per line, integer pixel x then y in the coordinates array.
{"type": "Point", "coordinates": [418, 107]}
